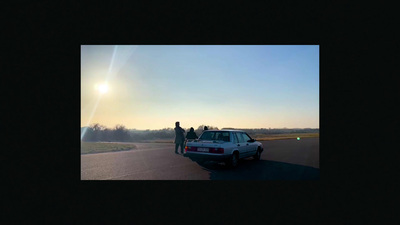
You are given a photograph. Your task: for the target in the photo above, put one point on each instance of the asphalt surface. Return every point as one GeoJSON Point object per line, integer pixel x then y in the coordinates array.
{"type": "Point", "coordinates": [281, 160]}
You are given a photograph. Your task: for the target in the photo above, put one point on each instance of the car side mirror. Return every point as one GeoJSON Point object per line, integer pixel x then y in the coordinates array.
{"type": "Point", "coordinates": [251, 140]}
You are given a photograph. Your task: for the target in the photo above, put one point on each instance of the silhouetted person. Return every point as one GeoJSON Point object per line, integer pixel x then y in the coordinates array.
{"type": "Point", "coordinates": [205, 128]}
{"type": "Point", "coordinates": [191, 135]}
{"type": "Point", "coordinates": [179, 137]}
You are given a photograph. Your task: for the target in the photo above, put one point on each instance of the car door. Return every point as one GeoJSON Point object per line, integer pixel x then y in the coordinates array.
{"type": "Point", "coordinates": [247, 145]}
{"type": "Point", "coordinates": [252, 146]}
{"type": "Point", "coordinates": [242, 144]}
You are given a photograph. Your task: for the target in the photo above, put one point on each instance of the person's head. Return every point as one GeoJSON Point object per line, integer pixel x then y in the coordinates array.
{"type": "Point", "coordinates": [176, 124]}
{"type": "Point", "coordinates": [191, 129]}
{"type": "Point", "coordinates": [205, 128]}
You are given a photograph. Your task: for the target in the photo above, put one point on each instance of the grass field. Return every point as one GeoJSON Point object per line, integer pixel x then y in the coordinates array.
{"type": "Point", "coordinates": [284, 136]}
{"type": "Point", "coordinates": [98, 147]}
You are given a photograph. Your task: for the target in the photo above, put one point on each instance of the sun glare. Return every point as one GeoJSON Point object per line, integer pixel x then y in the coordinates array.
{"type": "Point", "coordinates": [102, 88]}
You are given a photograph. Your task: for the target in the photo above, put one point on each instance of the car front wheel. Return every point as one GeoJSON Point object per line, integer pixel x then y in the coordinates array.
{"type": "Point", "coordinates": [257, 156]}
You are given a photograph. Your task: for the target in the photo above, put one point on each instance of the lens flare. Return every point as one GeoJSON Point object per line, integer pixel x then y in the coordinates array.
{"type": "Point", "coordinates": [103, 88]}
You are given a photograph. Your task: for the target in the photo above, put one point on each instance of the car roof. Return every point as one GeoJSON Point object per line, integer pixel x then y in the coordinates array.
{"type": "Point", "coordinates": [225, 130]}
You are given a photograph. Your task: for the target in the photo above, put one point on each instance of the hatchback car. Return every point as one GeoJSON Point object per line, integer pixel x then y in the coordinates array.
{"type": "Point", "coordinates": [223, 145]}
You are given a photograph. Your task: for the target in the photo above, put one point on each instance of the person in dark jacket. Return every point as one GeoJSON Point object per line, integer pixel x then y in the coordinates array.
{"type": "Point", "coordinates": [191, 135]}
{"type": "Point", "coordinates": [179, 137]}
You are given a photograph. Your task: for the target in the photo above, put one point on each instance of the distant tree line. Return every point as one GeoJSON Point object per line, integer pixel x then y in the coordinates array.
{"type": "Point", "coordinates": [265, 131]}
{"type": "Point", "coordinates": [97, 132]}
{"type": "Point", "coordinates": [119, 133]}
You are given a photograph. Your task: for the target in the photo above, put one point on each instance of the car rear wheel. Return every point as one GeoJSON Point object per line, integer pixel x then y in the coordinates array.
{"type": "Point", "coordinates": [233, 160]}
{"type": "Point", "coordinates": [257, 156]}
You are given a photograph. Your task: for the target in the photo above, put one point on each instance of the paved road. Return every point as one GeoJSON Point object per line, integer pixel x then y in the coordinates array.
{"type": "Point", "coordinates": [282, 160]}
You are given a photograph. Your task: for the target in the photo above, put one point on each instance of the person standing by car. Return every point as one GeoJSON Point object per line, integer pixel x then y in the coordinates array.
{"type": "Point", "coordinates": [191, 135]}
{"type": "Point", "coordinates": [179, 137]}
{"type": "Point", "coordinates": [204, 129]}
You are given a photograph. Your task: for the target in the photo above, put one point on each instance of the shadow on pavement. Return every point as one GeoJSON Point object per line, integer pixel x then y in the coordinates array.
{"type": "Point", "coordinates": [249, 169]}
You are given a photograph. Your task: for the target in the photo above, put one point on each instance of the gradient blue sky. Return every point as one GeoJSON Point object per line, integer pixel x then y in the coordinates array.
{"type": "Point", "coordinates": [240, 86]}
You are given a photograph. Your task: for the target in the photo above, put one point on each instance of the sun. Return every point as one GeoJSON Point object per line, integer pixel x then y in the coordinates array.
{"type": "Point", "coordinates": [102, 88]}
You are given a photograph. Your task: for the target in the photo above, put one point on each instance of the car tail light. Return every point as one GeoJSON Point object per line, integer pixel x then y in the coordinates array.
{"type": "Point", "coordinates": [217, 150]}
{"type": "Point", "coordinates": [189, 148]}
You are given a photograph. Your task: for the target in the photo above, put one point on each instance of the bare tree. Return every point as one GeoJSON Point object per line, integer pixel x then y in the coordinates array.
{"type": "Point", "coordinates": [96, 129]}
{"type": "Point", "coordinates": [121, 133]}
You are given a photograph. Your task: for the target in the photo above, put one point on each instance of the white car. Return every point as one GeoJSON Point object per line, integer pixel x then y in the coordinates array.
{"type": "Point", "coordinates": [223, 145]}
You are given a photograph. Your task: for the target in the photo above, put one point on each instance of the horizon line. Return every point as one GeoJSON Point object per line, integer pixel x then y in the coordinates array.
{"type": "Point", "coordinates": [224, 128]}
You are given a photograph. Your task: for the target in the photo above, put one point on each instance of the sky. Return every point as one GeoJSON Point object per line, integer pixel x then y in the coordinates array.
{"type": "Point", "coordinates": [237, 86]}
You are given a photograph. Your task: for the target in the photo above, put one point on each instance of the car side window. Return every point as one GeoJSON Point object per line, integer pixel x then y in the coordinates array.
{"type": "Point", "coordinates": [234, 138]}
{"type": "Point", "coordinates": [240, 137]}
{"type": "Point", "coordinates": [246, 137]}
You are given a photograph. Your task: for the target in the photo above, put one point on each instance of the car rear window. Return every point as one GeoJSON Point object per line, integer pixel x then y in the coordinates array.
{"type": "Point", "coordinates": [215, 136]}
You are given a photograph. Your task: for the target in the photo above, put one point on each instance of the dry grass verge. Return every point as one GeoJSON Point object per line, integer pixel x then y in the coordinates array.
{"type": "Point", "coordinates": [98, 147]}
{"type": "Point", "coordinates": [272, 137]}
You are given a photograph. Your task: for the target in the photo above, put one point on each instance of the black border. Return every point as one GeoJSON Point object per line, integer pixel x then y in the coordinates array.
{"type": "Point", "coordinates": [48, 47]}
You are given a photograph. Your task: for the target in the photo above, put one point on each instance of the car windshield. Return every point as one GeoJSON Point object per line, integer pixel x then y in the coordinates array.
{"type": "Point", "coordinates": [215, 136]}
